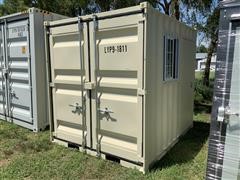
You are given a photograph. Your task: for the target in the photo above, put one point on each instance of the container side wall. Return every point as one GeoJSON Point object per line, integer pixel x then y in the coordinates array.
{"type": "Point", "coordinates": [169, 104]}
{"type": "Point", "coordinates": [38, 70]}
{"type": "Point", "coordinates": [38, 67]}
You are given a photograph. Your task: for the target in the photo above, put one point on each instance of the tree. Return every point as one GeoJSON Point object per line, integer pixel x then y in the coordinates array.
{"type": "Point", "coordinates": [202, 49]}
{"type": "Point", "coordinates": [211, 31]}
{"type": "Point", "coordinates": [107, 5]}
{"type": "Point", "coordinates": [173, 7]}
{"type": "Point", "coordinates": [12, 6]}
{"type": "Point", "coordinates": [169, 7]}
{"type": "Point", "coordinates": [64, 7]}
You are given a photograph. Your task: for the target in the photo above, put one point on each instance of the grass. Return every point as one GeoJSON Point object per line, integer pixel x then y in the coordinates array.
{"type": "Point", "coordinates": [199, 74]}
{"type": "Point", "coordinates": [26, 155]}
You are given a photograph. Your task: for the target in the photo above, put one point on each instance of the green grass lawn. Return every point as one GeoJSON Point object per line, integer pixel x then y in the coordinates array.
{"type": "Point", "coordinates": [199, 74]}
{"type": "Point", "coordinates": [26, 155]}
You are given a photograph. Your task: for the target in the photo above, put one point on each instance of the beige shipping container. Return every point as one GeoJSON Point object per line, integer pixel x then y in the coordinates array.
{"type": "Point", "coordinates": [121, 83]}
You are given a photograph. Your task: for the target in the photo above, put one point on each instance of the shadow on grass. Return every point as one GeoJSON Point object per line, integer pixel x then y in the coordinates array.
{"type": "Point", "coordinates": [187, 148]}
{"type": "Point", "coordinates": [202, 108]}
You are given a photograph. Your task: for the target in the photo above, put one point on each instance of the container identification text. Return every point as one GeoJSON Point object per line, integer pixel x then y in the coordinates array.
{"type": "Point", "coordinates": [116, 49]}
{"type": "Point", "coordinates": [19, 30]}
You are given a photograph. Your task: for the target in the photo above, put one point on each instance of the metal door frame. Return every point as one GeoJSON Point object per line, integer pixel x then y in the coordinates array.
{"type": "Point", "coordinates": [4, 70]}
{"type": "Point", "coordinates": [83, 90]}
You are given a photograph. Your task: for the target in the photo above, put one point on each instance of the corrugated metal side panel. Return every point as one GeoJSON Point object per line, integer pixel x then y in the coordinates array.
{"type": "Point", "coordinates": [223, 163]}
{"type": "Point", "coordinates": [169, 105]}
{"type": "Point", "coordinates": [38, 66]}
{"type": "Point", "coordinates": [38, 70]}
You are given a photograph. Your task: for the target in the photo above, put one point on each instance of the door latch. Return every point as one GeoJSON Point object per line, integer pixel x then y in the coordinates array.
{"type": "Point", "coordinates": [5, 71]}
{"type": "Point", "coordinates": [89, 85]}
{"type": "Point", "coordinates": [78, 109]}
{"type": "Point", "coordinates": [223, 112]}
{"type": "Point", "coordinates": [141, 92]}
{"type": "Point", "coordinates": [13, 94]}
{"type": "Point", "coordinates": [105, 111]}
{"type": "Point", "coordinates": [229, 113]}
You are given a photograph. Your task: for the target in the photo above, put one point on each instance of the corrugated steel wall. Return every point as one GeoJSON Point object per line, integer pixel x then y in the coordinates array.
{"type": "Point", "coordinates": [133, 114]}
{"type": "Point", "coordinates": [169, 104]}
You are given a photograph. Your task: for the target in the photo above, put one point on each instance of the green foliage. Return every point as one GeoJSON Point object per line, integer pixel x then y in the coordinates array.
{"type": "Point", "coordinates": [201, 49]}
{"type": "Point", "coordinates": [70, 7]}
{"type": "Point", "coordinates": [203, 94]}
{"type": "Point", "coordinates": [211, 26]}
{"type": "Point", "coordinates": [12, 6]}
{"type": "Point", "coordinates": [64, 7]}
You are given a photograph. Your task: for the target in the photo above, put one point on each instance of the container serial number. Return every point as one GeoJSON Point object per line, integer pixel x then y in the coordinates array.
{"type": "Point", "coordinates": [115, 49]}
{"type": "Point", "coordinates": [19, 31]}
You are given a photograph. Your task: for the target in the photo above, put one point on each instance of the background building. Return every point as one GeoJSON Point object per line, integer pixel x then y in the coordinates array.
{"type": "Point", "coordinates": [201, 59]}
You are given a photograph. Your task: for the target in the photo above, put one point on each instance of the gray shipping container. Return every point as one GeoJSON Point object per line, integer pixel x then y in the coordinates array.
{"type": "Point", "coordinates": [121, 83]}
{"type": "Point", "coordinates": [23, 70]}
{"type": "Point", "coordinates": [224, 142]}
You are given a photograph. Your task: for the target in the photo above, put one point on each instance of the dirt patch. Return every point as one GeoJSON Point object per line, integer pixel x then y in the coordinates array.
{"type": "Point", "coordinates": [4, 162]}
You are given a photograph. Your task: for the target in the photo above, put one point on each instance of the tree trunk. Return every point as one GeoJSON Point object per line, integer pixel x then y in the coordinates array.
{"type": "Point", "coordinates": [176, 9]}
{"type": "Point", "coordinates": [211, 49]}
{"type": "Point", "coordinates": [165, 6]}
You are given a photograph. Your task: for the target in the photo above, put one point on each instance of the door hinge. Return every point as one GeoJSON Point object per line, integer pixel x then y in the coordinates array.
{"type": "Point", "coordinates": [89, 85]}
{"type": "Point", "coordinates": [141, 92]}
{"type": "Point", "coordinates": [52, 85]}
{"type": "Point", "coordinates": [80, 24]}
{"type": "Point", "coordinates": [5, 72]}
{"type": "Point", "coordinates": [54, 134]}
{"type": "Point", "coordinates": [98, 148]}
{"type": "Point", "coordinates": [95, 22]}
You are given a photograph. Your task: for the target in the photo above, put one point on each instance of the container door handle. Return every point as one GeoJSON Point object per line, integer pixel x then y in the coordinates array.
{"type": "Point", "coordinates": [13, 94]}
{"type": "Point", "coordinates": [105, 111]}
{"type": "Point", "coordinates": [229, 113]}
{"type": "Point", "coordinates": [78, 109]}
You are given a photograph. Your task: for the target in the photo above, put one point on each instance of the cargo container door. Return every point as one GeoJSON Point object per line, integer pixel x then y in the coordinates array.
{"type": "Point", "coordinates": [231, 154]}
{"type": "Point", "coordinates": [69, 73]}
{"type": "Point", "coordinates": [3, 75]}
{"type": "Point", "coordinates": [19, 69]}
{"type": "Point", "coordinates": [117, 66]}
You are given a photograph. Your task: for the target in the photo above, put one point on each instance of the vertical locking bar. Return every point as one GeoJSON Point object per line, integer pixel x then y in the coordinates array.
{"type": "Point", "coordinates": [3, 65]}
{"type": "Point", "coordinates": [30, 71]}
{"type": "Point", "coordinates": [95, 28]}
{"type": "Point", "coordinates": [48, 77]}
{"type": "Point", "coordinates": [80, 29]}
{"type": "Point", "coordinates": [7, 95]}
